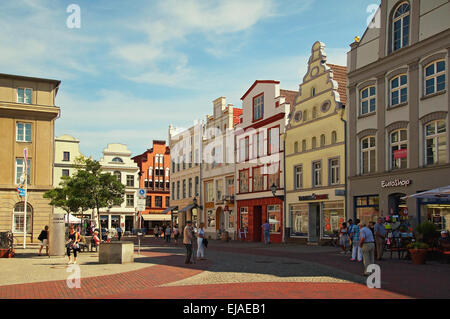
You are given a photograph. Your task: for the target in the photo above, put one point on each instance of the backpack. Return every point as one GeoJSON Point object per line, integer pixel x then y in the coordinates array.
{"type": "Point", "coordinates": [41, 236]}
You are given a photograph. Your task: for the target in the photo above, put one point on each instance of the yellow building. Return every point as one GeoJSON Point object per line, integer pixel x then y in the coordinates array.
{"type": "Point", "coordinates": [315, 152]}
{"type": "Point", "coordinates": [27, 120]}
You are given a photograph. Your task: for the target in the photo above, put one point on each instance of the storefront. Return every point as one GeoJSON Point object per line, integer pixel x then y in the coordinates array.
{"type": "Point", "coordinates": [220, 219]}
{"type": "Point", "coordinates": [435, 211]}
{"type": "Point", "coordinates": [253, 213]}
{"type": "Point", "coordinates": [115, 220]}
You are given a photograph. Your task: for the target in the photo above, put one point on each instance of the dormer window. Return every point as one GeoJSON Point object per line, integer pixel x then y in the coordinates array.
{"type": "Point", "coordinates": [117, 160]}
{"type": "Point", "coordinates": [258, 107]}
{"type": "Point", "coordinates": [400, 26]}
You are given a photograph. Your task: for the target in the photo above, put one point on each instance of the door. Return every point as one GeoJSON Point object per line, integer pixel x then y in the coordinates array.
{"type": "Point", "coordinates": [128, 223]}
{"type": "Point", "coordinates": [257, 222]}
{"type": "Point", "coordinates": [314, 222]}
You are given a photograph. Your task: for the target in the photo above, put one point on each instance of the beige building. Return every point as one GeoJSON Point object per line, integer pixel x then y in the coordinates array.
{"type": "Point", "coordinates": [218, 170]}
{"type": "Point", "coordinates": [186, 194]}
{"type": "Point", "coordinates": [398, 103]}
{"type": "Point", "coordinates": [27, 120]}
{"type": "Point", "coordinates": [67, 149]}
{"type": "Point", "coordinates": [315, 152]}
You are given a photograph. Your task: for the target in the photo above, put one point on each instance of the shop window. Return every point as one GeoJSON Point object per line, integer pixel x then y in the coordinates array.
{"type": "Point", "coordinates": [18, 218]}
{"type": "Point", "coordinates": [231, 218]}
{"type": "Point", "coordinates": [435, 77]}
{"type": "Point", "coordinates": [274, 216]}
{"type": "Point", "coordinates": [115, 221]}
{"type": "Point", "coordinates": [367, 100]}
{"type": "Point", "coordinates": [399, 149]}
{"type": "Point", "coordinates": [368, 152]}
{"type": "Point", "coordinates": [211, 219]}
{"type": "Point", "coordinates": [333, 217]}
{"type": "Point", "coordinates": [435, 142]}
{"type": "Point", "coordinates": [439, 214]}
{"type": "Point", "coordinates": [367, 208]}
{"type": "Point", "coordinates": [244, 217]}
{"type": "Point", "coordinates": [104, 221]}
{"type": "Point", "coordinates": [258, 179]}
{"type": "Point", "coordinates": [299, 214]}
{"type": "Point", "coordinates": [399, 89]}
{"type": "Point", "coordinates": [400, 26]}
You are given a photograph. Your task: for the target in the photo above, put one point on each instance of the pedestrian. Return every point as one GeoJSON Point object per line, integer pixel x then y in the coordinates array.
{"type": "Point", "coordinates": [43, 237]}
{"type": "Point", "coordinates": [176, 234]}
{"type": "Point", "coordinates": [367, 245]}
{"type": "Point", "coordinates": [343, 238]}
{"type": "Point", "coordinates": [168, 233]}
{"type": "Point", "coordinates": [163, 232]}
{"type": "Point", "coordinates": [266, 228]}
{"type": "Point", "coordinates": [119, 232]}
{"type": "Point", "coordinates": [72, 244]}
{"type": "Point", "coordinates": [95, 240]}
{"type": "Point", "coordinates": [355, 237]}
{"type": "Point", "coordinates": [156, 231]}
{"type": "Point", "coordinates": [380, 237]}
{"type": "Point", "coordinates": [200, 242]}
{"type": "Point", "coordinates": [187, 241]}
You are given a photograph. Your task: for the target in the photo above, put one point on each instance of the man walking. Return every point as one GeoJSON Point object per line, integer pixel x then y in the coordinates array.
{"type": "Point", "coordinates": [355, 236]}
{"type": "Point", "coordinates": [367, 247]}
{"type": "Point", "coordinates": [187, 241]}
{"type": "Point", "coordinates": [43, 237]}
{"type": "Point", "coordinates": [380, 237]}
{"type": "Point", "coordinates": [266, 228]}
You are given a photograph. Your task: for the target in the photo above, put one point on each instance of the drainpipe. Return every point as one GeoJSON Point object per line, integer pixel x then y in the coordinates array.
{"type": "Point", "coordinates": [342, 106]}
{"type": "Point", "coordinates": [284, 186]}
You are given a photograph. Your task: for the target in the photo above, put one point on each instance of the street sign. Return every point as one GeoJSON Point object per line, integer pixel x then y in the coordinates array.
{"type": "Point", "coordinates": [142, 193]}
{"type": "Point", "coordinates": [22, 192]}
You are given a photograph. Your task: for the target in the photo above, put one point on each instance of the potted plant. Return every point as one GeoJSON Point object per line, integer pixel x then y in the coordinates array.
{"type": "Point", "coordinates": [418, 251]}
{"type": "Point", "coordinates": [428, 231]}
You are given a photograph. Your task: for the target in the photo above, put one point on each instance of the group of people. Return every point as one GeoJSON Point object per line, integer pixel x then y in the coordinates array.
{"type": "Point", "coordinates": [165, 232]}
{"type": "Point", "coordinates": [189, 237]}
{"type": "Point", "coordinates": [366, 242]}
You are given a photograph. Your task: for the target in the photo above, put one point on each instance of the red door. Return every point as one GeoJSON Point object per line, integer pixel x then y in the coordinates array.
{"type": "Point", "coordinates": [257, 222]}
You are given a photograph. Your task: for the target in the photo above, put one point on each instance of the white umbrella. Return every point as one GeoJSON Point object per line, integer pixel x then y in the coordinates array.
{"type": "Point", "coordinates": [437, 193]}
{"type": "Point", "coordinates": [72, 219]}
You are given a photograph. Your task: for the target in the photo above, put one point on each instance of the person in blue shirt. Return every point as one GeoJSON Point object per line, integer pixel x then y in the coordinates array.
{"type": "Point", "coordinates": [367, 244]}
{"type": "Point", "coordinates": [354, 236]}
{"type": "Point", "coordinates": [266, 228]}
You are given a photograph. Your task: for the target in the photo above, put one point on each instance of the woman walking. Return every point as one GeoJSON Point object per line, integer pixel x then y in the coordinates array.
{"type": "Point", "coordinates": [201, 246]}
{"type": "Point", "coordinates": [355, 236]}
{"type": "Point", "coordinates": [176, 234]}
{"type": "Point", "coordinates": [74, 239]}
{"type": "Point", "coordinates": [343, 237]}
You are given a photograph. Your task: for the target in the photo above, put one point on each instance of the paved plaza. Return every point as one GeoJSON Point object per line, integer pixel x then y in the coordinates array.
{"type": "Point", "coordinates": [232, 270]}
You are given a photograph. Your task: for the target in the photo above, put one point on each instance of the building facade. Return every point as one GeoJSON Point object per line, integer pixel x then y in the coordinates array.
{"type": "Point", "coordinates": [315, 152]}
{"type": "Point", "coordinates": [27, 120]}
{"type": "Point", "coordinates": [186, 193]}
{"type": "Point", "coordinates": [218, 168]}
{"type": "Point", "coordinates": [67, 149]}
{"type": "Point", "coordinates": [154, 172]}
{"type": "Point", "coordinates": [399, 112]}
{"type": "Point", "coordinates": [260, 163]}
{"type": "Point", "coordinates": [117, 161]}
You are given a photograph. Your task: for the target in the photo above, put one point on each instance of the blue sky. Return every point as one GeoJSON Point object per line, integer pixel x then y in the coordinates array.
{"type": "Point", "coordinates": [134, 67]}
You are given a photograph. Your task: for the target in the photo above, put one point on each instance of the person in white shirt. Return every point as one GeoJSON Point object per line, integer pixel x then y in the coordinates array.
{"type": "Point", "coordinates": [201, 247]}
{"type": "Point", "coordinates": [367, 244]}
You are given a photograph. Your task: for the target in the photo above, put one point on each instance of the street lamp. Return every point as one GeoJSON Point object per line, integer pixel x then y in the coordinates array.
{"type": "Point", "coordinates": [274, 188]}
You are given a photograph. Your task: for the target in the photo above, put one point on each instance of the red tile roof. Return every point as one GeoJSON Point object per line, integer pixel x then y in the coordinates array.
{"type": "Point", "coordinates": [340, 75]}
{"type": "Point", "coordinates": [290, 96]}
{"type": "Point", "coordinates": [236, 113]}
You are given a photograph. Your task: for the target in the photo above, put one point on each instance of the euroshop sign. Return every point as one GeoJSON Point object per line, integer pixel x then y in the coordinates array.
{"type": "Point", "coordinates": [396, 183]}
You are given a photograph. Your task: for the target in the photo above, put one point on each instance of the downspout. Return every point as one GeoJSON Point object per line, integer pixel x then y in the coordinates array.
{"type": "Point", "coordinates": [345, 162]}
{"type": "Point", "coordinates": [284, 186]}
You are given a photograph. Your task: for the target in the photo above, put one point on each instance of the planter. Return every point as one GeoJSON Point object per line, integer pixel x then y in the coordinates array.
{"type": "Point", "coordinates": [4, 253]}
{"type": "Point", "coordinates": [418, 256]}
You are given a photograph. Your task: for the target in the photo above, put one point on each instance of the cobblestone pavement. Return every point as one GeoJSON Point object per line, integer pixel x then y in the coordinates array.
{"type": "Point", "coordinates": [239, 270]}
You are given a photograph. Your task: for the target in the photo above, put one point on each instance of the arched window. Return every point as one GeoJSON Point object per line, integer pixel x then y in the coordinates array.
{"type": "Point", "coordinates": [368, 153]}
{"type": "Point", "coordinates": [118, 175]}
{"type": "Point", "coordinates": [400, 26]}
{"type": "Point", "coordinates": [314, 112]}
{"type": "Point", "coordinates": [368, 100]}
{"type": "Point", "coordinates": [313, 92]}
{"type": "Point", "coordinates": [18, 218]}
{"type": "Point", "coordinates": [296, 147]}
{"type": "Point", "coordinates": [399, 89]}
{"type": "Point", "coordinates": [333, 137]}
{"type": "Point", "coordinates": [313, 142]}
{"type": "Point", "coordinates": [303, 145]}
{"type": "Point", "coordinates": [322, 140]}
{"type": "Point", "coordinates": [305, 115]}
{"type": "Point", "coordinates": [117, 160]}
{"type": "Point", "coordinates": [435, 77]}
{"type": "Point", "coordinates": [399, 149]}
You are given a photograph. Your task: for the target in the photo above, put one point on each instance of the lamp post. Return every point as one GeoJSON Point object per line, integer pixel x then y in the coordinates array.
{"type": "Point", "coordinates": [342, 109]}
{"type": "Point", "coordinates": [274, 188]}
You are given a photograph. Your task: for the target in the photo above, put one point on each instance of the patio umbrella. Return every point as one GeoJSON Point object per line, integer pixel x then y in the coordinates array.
{"type": "Point", "coordinates": [72, 219]}
{"type": "Point", "coordinates": [437, 193]}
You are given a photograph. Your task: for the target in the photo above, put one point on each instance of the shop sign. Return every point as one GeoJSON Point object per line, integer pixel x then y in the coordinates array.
{"type": "Point", "coordinates": [396, 183]}
{"type": "Point", "coordinates": [403, 153]}
{"type": "Point", "coordinates": [313, 197]}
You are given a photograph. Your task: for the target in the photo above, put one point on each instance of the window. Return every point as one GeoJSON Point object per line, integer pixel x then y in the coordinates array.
{"type": "Point", "coordinates": [399, 89]}
{"type": "Point", "coordinates": [296, 147]}
{"type": "Point", "coordinates": [190, 159]}
{"type": "Point", "coordinates": [313, 142]}
{"type": "Point", "coordinates": [261, 144]}
{"type": "Point", "coordinates": [274, 140]}
{"type": "Point", "coordinates": [20, 169]}
{"type": "Point", "coordinates": [399, 149]}
{"type": "Point", "coordinates": [184, 188]}
{"type": "Point", "coordinates": [333, 217]}
{"type": "Point", "coordinates": [196, 185]}
{"type": "Point", "coordinates": [158, 201]}
{"type": "Point", "coordinates": [219, 189]}
{"type": "Point", "coordinates": [243, 181]}
{"type": "Point", "coordinates": [178, 189]}
{"type": "Point", "coordinates": [130, 180]}
{"type": "Point", "coordinates": [65, 172]}
{"type": "Point", "coordinates": [244, 217]}
{"type": "Point", "coordinates": [118, 175]}
{"type": "Point", "coordinates": [66, 156]}
{"type": "Point", "coordinates": [173, 190]}
{"type": "Point", "coordinates": [258, 107]}
{"type": "Point", "coordinates": [305, 115]}
{"type": "Point", "coordinates": [368, 100]}
{"type": "Point", "coordinates": [303, 145]}
{"type": "Point", "coordinates": [117, 160]}
{"type": "Point", "coordinates": [299, 214]}
{"type": "Point", "coordinates": [24, 95]}
{"type": "Point", "coordinates": [435, 77]}
{"type": "Point", "coordinates": [435, 142]}
{"type": "Point", "coordinates": [211, 219]}
{"type": "Point", "coordinates": [313, 92]}
{"type": "Point", "coordinates": [244, 149]}
{"type": "Point", "coordinates": [298, 116]}
{"type": "Point", "coordinates": [230, 186]}
{"type": "Point", "coordinates": [167, 201]}
{"type": "Point", "coordinates": [333, 171]}
{"type": "Point", "coordinates": [298, 177]}
{"type": "Point", "coordinates": [190, 187]}
{"type": "Point", "coordinates": [18, 218]}
{"type": "Point", "coordinates": [322, 140]}
{"type": "Point", "coordinates": [317, 174]}
{"type": "Point", "coordinates": [274, 217]}
{"type": "Point", "coordinates": [333, 137]}
{"type": "Point", "coordinates": [258, 179]}
{"type": "Point", "coordinates": [368, 155]}
{"type": "Point", "coordinates": [148, 201]}
{"type": "Point", "coordinates": [23, 132]}
{"type": "Point", "coordinates": [400, 26]}
{"type": "Point", "coordinates": [273, 175]}
{"type": "Point", "coordinates": [367, 208]}
{"type": "Point", "coordinates": [314, 112]}
{"type": "Point", "coordinates": [130, 200]}
{"type": "Point", "coordinates": [209, 188]}
{"type": "Point", "coordinates": [173, 167]}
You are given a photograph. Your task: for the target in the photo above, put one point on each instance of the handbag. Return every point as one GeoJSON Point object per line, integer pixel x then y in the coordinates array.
{"type": "Point", "coordinates": [205, 242]}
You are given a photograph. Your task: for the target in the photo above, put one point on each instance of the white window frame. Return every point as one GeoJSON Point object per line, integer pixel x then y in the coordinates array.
{"type": "Point", "coordinates": [17, 165]}
{"type": "Point", "coordinates": [334, 171]}
{"type": "Point", "coordinates": [24, 95]}
{"type": "Point", "coordinates": [368, 150]}
{"type": "Point", "coordinates": [367, 99]}
{"type": "Point", "coordinates": [21, 214]}
{"type": "Point", "coordinates": [317, 179]}
{"type": "Point", "coordinates": [398, 89]}
{"type": "Point", "coordinates": [24, 132]}
{"type": "Point", "coordinates": [399, 143]}
{"type": "Point", "coordinates": [298, 176]}
{"type": "Point", "coordinates": [435, 137]}
{"type": "Point", "coordinates": [402, 26]}
{"type": "Point", "coordinates": [434, 76]}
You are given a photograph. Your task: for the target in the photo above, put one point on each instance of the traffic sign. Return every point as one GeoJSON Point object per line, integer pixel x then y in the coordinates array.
{"type": "Point", "coordinates": [142, 193]}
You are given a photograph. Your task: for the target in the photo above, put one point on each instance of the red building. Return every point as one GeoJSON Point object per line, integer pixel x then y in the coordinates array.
{"type": "Point", "coordinates": [154, 165]}
{"type": "Point", "coordinates": [260, 164]}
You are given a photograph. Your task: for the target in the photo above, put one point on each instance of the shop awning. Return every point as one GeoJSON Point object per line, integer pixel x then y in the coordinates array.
{"type": "Point", "coordinates": [72, 219]}
{"type": "Point", "coordinates": [157, 217]}
{"type": "Point", "coordinates": [170, 209]}
{"type": "Point", "coordinates": [437, 193]}
{"type": "Point", "coordinates": [188, 207]}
